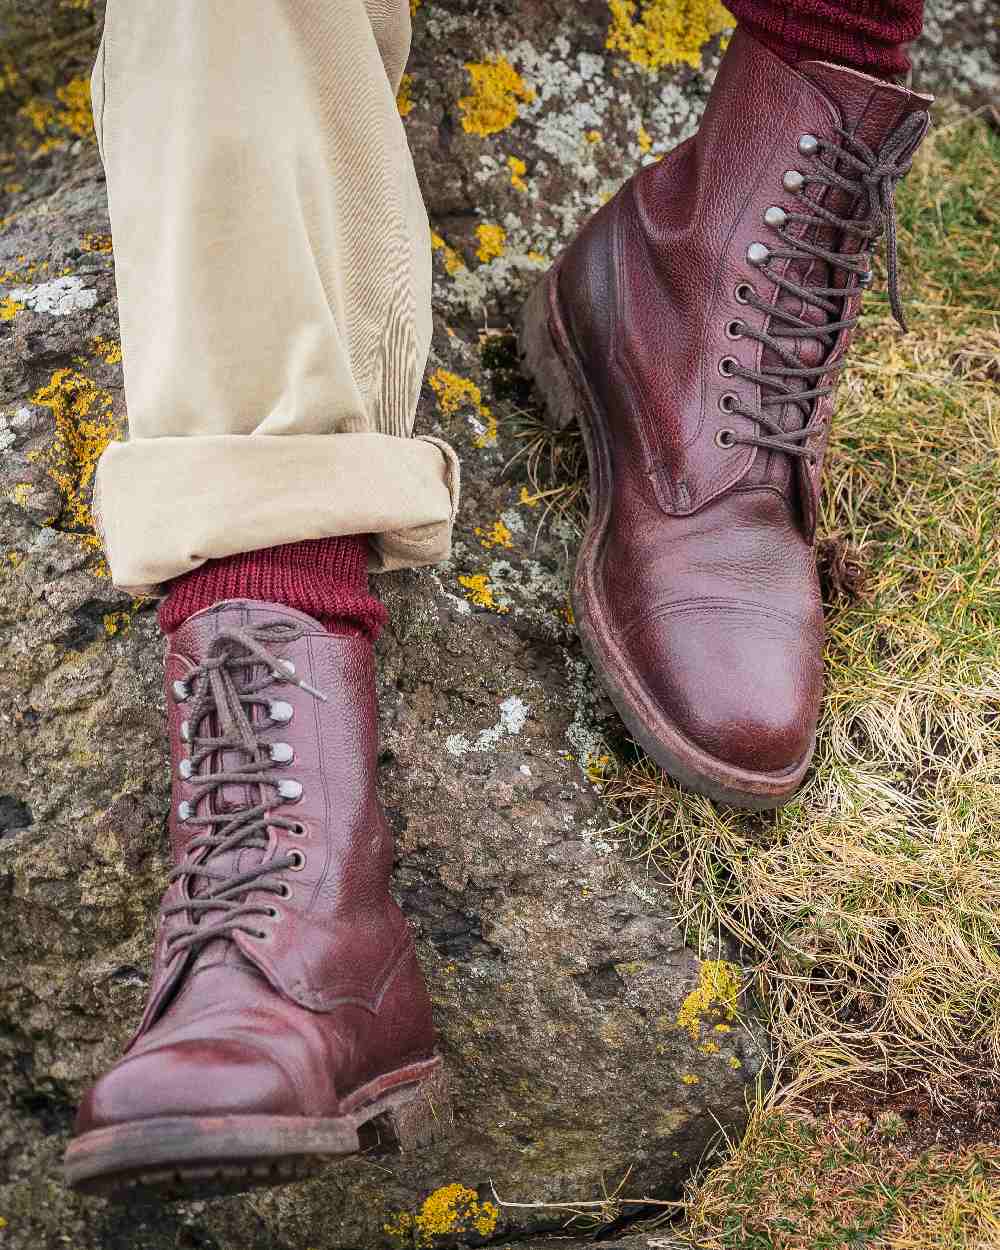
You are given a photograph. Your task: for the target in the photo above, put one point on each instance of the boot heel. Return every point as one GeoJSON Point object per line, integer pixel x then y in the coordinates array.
{"type": "Point", "coordinates": [542, 361]}
{"type": "Point", "coordinates": [420, 1117]}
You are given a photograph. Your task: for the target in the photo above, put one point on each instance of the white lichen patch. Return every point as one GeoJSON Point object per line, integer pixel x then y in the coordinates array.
{"type": "Point", "coordinates": [59, 298]}
{"type": "Point", "coordinates": [514, 714]}
{"type": "Point", "coordinates": [584, 734]}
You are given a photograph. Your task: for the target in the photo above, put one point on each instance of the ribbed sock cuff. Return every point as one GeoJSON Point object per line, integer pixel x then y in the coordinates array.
{"type": "Point", "coordinates": [868, 35]}
{"type": "Point", "coordinates": [327, 578]}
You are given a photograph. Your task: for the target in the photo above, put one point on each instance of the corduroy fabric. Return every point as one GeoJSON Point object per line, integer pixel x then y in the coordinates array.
{"type": "Point", "coordinates": [327, 578]}
{"type": "Point", "coordinates": [869, 35]}
{"type": "Point", "coordinates": [275, 333]}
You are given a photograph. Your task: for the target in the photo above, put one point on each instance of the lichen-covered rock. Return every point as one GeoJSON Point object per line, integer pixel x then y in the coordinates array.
{"type": "Point", "coordinates": [588, 1044]}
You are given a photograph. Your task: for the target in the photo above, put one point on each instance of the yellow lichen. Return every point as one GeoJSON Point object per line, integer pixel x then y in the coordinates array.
{"type": "Point", "coordinates": [487, 436]}
{"type": "Point", "coordinates": [9, 77]}
{"type": "Point", "coordinates": [666, 32]}
{"type": "Point", "coordinates": [414, 5]}
{"type": "Point", "coordinates": [13, 188]}
{"type": "Point", "coordinates": [20, 494]}
{"type": "Point", "coordinates": [734, 1063]}
{"type": "Point", "coordinates": [9, 308]}
{"type": "Point", "coordinates": [597, 768]}
{"type": "Point", "coordinates": [593, 136]}
{"type": "Point", "coordinates": [454, 1209]}
{"type": "Point", "coordinates": [537, 258]}
{"type": "Point", "coordinates": [404, 97]}
{"type": "Point", "coordinates": [71, 118]}
{"type": "Point", "coordinates": [498, 535]}
{"type": "Point", "coordinates": [75, 114]}
{"type": "Point", "coordinates": [492, 241]}
{"type": "Point", "coordinates": [117, 622]}
{"type": "Point", "coordinates": [517, 169]}
{"type": "Point", "coordinates": [709, 1048]}
{"type": "Point", "coordinates": [480, 591]}
{"type": "Point", "coordinates": [85, 423]}
{"type": "Point", "coordinates": [718, 985]}
{"type": "Point", "coordinates": [494, 102]}
{"type": "Point", "coordinates": [453, 263]}
{"type": "Point", "coordinates": [453, 392]}
{"type": "Point", "coordinates": [689, 1078]}
{"type": "Point", "coordinates": [645, 140]}
{"type": "Point", "coordinates": [527, 498]}
{"type": "Point", "coordinates": [94, 242]}
{"type": "Point", "coordinates": [107, 349]}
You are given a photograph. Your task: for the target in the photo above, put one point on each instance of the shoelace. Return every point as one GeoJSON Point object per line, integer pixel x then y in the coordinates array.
{"type": "Point", "coordinates": [872, 180]}
{"type": "Point", "coordinates": [214, 689]}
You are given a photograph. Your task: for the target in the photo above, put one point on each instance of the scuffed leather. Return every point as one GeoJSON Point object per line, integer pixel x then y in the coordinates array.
{"type": "Point", "coordinates": [333, 997]}
{"type": "Point", "coordinates": [706, 578]}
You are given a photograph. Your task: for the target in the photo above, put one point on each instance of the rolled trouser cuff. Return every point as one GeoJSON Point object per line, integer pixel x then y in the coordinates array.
{"type": "Point", "coordinates": [166, 505]}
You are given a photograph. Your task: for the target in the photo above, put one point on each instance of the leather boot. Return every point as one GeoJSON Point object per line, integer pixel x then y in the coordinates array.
{"type": "Point", "coordinates": [287, 1021]}
{"type": "Point", "coordinates": [696, 327]}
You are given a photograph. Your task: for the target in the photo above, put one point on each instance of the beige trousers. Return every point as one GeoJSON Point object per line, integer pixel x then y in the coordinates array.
{"type": "Point", "coordinates": [272, 256]}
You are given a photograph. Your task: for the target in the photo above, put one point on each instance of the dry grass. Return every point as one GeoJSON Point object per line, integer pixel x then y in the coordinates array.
{"type": "Point", "coordinates": [871, 906]}
{"type": "Point", "coordinates": [795, 1183]}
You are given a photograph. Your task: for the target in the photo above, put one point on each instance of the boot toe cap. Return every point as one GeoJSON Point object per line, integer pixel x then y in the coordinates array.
{"type": "Point", "coordinates": [189, 1078]}
{"type": "Point", "coordinates": [744, 692]}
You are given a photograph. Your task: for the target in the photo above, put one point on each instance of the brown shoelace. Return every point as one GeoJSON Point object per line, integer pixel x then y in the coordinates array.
{"type": "Point", "coordinates": [869, 180]}
{"type": "Point", "coordinates": [223, 687]}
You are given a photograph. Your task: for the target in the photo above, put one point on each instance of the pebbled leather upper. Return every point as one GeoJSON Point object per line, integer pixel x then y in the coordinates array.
{"type": "Point", "coordinates": [706, 580]}
{"type": "Point", "coordinates": [332, 996]}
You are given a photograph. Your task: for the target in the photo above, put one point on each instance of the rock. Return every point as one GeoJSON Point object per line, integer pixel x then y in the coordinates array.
{"type": "Point", "coordinates": [588, 1043]}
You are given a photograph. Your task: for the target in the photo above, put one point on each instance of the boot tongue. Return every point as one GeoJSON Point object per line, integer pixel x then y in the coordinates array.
{"type": "Point", "coordinates": [228, 799]}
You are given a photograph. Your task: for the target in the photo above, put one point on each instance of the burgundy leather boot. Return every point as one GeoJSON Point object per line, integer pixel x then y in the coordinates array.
{"type": "Point", "coordinates": [696, 327]}
{"type": "Point", "coordinates": [287, 1022]}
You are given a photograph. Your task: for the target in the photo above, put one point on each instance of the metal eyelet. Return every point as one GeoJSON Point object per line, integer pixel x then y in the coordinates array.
{"type": "Point", "coordinates": [281, 753]}
{"type": "Point", "coordinates": [184, 811]}
{"type": "Point", "coordinates": [285, 891]}
{"type": "Point", "coordinates": [728, 402]}
{"type": "Point", "coordinates": [280, 712]}
{"type": "Point", "coordinates": [289, 790]}
{"type": "Point", "coordinates": [185, 769]}
{"type": "Point", "coordinates": [808, 145]}
{"type": "Point", "coordinates": [288, 667]}
{"type": "Point", "coordinates": [725, 439]}
{"type": "Point", "coordinates": [182, 691]}
{"type": "Point", "coordinates": [758, 254]}
{"type": "Point", "coordinates": [273, 912]}
{"type": "Point", "coordinates": [298, 861]}
{"type": "Point", "coordinates": [735, 328]}
{"type": "Point", "coordinates": [866, 279]}
{"type": "Point", "coordinates": [185, 731]}
{"type": "Point", "coordinates": [728, 365]}
{"type": "Point", "coordinates": [743, 292]}
{"type": "Point", "coordinates": [793, 180]}
{"type": "Point", "coordinates": [775, 217]}
{"type": "Point", "coordinates": [298, 830]}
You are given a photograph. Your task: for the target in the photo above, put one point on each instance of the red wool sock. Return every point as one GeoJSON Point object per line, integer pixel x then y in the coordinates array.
{"type": "Point", "coordinates": [327, 578]}
{"type": "Point", "coordinates": [869, 35]}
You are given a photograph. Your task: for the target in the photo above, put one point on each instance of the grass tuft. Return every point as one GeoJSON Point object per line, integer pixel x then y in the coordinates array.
{"type": "Point", "coordinates": [798, 1183]}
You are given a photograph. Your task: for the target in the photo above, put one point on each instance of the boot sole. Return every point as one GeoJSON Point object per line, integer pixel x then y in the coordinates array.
{"type": "Point", "coordinates": [189, 1157]}
{"type": "Point", "coordinates": [551, 359]}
